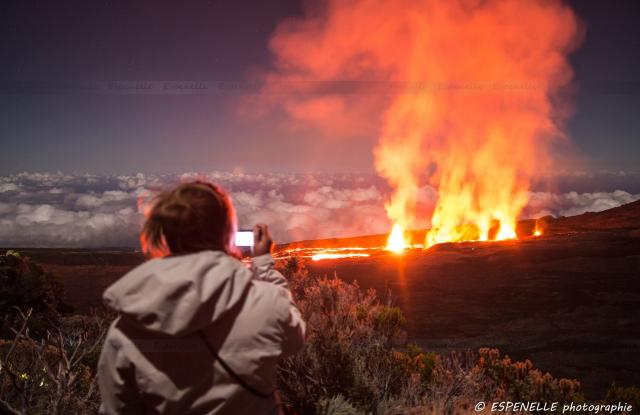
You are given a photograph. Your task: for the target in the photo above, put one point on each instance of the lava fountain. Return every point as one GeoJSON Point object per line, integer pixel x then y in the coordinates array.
{"type": "Point", "coordinates": [396, 242]}
{"type": "Point", "coordinates": [482, 139]}
{"type": "Point", "coordinates": [472, 109]}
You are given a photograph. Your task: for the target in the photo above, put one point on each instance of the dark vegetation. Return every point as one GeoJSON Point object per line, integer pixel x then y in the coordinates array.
{"type": "Point", "coordinates": [48, 356]}
{"type": "Point", "coordinates": [24, 284]}
{"type": "Point", "coordinates": [357, 359]}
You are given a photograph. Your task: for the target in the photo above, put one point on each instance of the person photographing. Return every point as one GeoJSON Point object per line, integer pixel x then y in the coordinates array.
{"type": "Point", "coordinates": [197, 331]}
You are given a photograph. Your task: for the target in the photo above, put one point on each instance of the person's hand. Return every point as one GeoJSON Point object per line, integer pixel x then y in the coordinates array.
{"type": "Point", "coordinates": [262, 242]}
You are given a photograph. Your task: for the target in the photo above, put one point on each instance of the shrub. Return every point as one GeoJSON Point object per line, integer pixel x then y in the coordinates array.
{"type": "Point", "coordinates": [337, 405]}
{"type": "Point", "coordinates": [349, 348]}
{"type": "Point", "coordinates": [356, 354]}
{"type": "Point", "coordinates": [456, 384]}
{"type": "Point", "coordinates": [24, 284]}
{"type": "Point", "coordinates": [629, 395]}
{"type": "Point", "coordinates": [54, 374]}
{"type": "Point", "coordinates": [520, 381]}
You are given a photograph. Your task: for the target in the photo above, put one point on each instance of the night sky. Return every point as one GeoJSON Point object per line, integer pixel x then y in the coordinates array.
{"type": "Point", "coordinates": [46, 128]}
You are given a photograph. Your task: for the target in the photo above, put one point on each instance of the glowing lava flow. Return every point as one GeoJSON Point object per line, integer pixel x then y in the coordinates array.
{"type": "Point", "coordinates": [396, 243]}
{"type": "Point", "coordinates": [318, 253]}
{"type": "Point", "coordinates": [318, 257]}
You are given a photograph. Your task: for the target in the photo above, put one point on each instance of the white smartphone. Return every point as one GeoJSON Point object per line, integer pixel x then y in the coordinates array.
{"type": "Point", "coordinates": [244, 238]}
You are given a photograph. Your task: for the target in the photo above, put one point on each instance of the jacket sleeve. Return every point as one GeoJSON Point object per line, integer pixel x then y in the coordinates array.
{"type": "Point", "coordinates": [116, 380]}
{"type": "Point", "coordinates": [290, 319]}
{"type": "Point", "coordinates": [263, 267]}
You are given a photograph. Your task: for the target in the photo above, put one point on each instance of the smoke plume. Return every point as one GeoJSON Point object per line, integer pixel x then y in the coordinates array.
{"type": "Point", "coordinates": [462, 95]}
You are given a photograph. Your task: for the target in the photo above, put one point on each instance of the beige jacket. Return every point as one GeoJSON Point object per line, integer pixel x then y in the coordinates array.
{"type": "Point", "coordinates": [153, 360]}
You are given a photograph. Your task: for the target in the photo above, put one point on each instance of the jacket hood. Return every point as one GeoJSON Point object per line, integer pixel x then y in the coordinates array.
{"type": "Point", "coordinates": [182, 294]}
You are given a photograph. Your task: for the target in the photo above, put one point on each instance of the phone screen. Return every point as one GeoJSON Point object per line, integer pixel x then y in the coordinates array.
{"type": "Point", "coordinates": [244, 238]}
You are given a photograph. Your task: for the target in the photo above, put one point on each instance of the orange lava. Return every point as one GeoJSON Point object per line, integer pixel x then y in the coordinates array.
{"type": "Point", "coordinates": [319, 253]}
{"type": "Point", "coordinates": [318, 257]}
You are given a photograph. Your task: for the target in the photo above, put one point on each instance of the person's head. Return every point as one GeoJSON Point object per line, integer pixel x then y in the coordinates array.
{"type": "Point", "coordinates": [193, 217]}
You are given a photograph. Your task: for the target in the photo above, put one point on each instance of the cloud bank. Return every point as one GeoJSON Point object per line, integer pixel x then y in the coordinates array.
{"type": "Point", "coordinates": [64, 210]}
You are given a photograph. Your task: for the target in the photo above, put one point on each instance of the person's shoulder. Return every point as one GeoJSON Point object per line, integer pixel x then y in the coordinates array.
{"type": "Point", "coordinates": [117, 337]}
{"type": "Point", "coordinates": [220, 259]}
{"type": "Point", "coordinates": [201, 262]}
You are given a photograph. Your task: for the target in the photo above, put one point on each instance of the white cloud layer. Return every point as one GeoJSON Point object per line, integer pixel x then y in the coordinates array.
{"type": "Point", "coordinates": [61, 210]}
